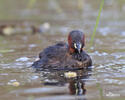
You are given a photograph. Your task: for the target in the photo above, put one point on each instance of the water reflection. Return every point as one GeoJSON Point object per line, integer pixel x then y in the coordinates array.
{"type": "Point", "coordinates": [76, 85]}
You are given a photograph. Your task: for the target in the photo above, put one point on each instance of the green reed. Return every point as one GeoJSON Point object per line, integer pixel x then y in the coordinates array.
{"type": "Point", "coordinates": [96, 25]}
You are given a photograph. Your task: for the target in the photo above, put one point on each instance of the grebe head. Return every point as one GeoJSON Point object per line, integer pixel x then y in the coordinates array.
{"type": "Point", "coordinates": [76, 41]}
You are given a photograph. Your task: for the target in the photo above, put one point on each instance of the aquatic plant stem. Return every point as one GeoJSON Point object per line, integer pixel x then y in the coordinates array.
{"type": "Point", "coordinates": [98, 85]}
{"type": "Point", "coordinates": [96, 25]}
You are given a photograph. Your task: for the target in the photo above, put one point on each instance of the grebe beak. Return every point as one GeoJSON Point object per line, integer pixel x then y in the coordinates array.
{"type": "Point", "coordinates": [78, 47]}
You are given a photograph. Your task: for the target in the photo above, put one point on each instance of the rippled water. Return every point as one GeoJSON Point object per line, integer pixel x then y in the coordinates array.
{"type": "Point", "coordinates": [104, 81]}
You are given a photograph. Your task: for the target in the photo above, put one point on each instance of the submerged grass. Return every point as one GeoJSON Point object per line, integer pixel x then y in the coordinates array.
{"type": "Point", "coordinates": [98, 85]}
{"type": "Point", "coordinates": [96, 25]}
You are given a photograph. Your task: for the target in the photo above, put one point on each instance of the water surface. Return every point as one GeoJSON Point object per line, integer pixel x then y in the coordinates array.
{"type": "Point", "coordinates": [105, 80]}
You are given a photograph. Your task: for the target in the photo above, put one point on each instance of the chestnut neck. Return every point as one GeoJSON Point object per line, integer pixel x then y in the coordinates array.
{"type": "Point", "coordinates": [70, 49]}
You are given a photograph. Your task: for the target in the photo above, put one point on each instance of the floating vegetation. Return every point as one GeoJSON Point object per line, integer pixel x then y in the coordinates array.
{"type": "Point", "coordinates": [23, 28]}
{"type": "Point", "coordinates": [6, 51]}
{"type": "Point", "coordinates": [70, 74]}
{"type": "Point", "coordinates": [14, 83]}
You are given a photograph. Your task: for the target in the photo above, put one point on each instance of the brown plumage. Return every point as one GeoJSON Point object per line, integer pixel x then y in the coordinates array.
{"type": "Point", "coordinates": [63, 55]}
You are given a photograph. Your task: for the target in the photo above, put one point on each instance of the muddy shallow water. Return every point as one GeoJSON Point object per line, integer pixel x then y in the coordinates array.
{"type": "Point", "coordinates": [105, 80]}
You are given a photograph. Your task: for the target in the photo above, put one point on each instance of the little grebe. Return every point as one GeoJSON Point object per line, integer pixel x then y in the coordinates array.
{"type": "Point", "coordinates": [63, 55]}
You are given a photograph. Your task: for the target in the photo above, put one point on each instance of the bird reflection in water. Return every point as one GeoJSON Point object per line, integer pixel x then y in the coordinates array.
{"type": "Point", "coordinates": [76, 85]}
